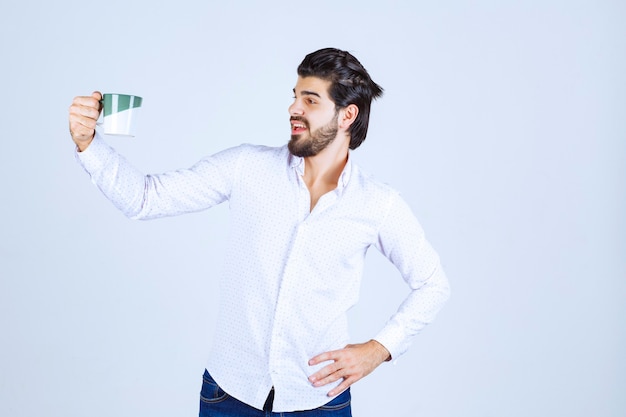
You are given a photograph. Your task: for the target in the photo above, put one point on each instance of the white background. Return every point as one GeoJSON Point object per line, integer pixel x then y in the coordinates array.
{"type": "Point", "coordinates": [503, 125]}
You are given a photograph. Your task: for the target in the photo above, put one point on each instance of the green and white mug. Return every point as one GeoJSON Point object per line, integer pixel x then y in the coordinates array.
{"type": "Point", "coordinates": [118, 114]}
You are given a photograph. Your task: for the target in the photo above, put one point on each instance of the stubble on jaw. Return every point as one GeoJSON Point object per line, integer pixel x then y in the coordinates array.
{"type": "Point", "coordinates": [316, 141]}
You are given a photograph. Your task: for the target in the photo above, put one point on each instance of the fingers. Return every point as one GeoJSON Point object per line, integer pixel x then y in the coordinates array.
{"type": "Point", "coordinates": [328, 374]}
{"type": "Point", "coordinates": [345, 367]}
{"type": "Point", "coordinates": [83, 116]}
{"type": "Point", "coordinates": [342, 387]}
{"type": "Point", "coordinates": [323, 374]}
{"type": "Point", "coordinates": [346, 382]}
{"type": "Point", "coordinates": [323, 357]}
{"type": "Point", "coordinates": [349, 364]}
{"type": "Point", "coordinates": [86, 106]}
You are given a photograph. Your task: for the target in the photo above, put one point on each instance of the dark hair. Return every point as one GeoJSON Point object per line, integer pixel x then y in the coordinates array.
{"type": "Point", "coordinates": [350, 84]}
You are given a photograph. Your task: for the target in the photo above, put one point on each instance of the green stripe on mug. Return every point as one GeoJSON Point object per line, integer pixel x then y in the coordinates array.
{"type": "Point", "coordinates": [115, 103]}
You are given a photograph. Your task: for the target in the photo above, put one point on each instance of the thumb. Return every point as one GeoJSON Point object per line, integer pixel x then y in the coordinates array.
{"type": "Point", "coordinates": [98, 96]}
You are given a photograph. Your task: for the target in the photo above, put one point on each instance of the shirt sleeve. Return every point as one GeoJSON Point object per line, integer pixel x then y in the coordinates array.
{"type": "Point", "coordinates": [138, 196]}
{"type": "Point", "coordinates": [401, 239]}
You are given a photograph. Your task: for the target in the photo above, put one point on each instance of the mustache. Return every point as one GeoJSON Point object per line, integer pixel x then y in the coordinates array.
{"type": "Point", "coordinates": [299, 119]}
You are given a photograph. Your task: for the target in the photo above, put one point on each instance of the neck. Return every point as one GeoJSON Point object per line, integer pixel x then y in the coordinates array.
{"type": "Point", "coordinates": [326, 166]}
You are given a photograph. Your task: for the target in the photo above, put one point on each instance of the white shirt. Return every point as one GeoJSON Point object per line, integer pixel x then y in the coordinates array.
{"type": "Point", "coordinates": [290, 274]}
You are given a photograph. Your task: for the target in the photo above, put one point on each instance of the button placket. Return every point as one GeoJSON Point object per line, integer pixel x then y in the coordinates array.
{"type": "Point", "coordinates": [278, 345]}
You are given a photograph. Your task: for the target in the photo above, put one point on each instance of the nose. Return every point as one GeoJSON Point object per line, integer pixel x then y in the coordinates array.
{"type": "Point", "coordinates": [295, 109]}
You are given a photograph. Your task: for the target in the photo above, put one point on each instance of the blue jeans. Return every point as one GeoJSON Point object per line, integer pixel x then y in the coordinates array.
{"type": "Point", "coordinates": [214, 402]}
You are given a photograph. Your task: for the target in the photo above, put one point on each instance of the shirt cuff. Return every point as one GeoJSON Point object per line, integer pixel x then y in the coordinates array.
{"type": "Point", "coordinates": [394, 340]}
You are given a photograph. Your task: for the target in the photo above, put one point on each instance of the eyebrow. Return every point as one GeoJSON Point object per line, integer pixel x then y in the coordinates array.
{"type": "Point", "coordinates": [307, 93]}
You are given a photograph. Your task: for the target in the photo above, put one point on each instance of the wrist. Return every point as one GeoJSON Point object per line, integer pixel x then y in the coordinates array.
{"type": "Point", "coordinates": [381, 350]}
{"type": "Point", "coordinates": [83, 144]}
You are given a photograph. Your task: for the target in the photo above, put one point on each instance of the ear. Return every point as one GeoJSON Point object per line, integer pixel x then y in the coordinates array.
{"type": "Point", "coordinates": [348, 116]}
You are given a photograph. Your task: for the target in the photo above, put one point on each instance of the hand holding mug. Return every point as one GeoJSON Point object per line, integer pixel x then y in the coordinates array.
{"type": "Point", "coordinates": [118, 111]}
{"type": "Point", "coordinates": [84, 113]}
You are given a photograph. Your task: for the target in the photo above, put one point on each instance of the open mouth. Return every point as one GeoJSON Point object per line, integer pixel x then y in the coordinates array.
{"type": "Point", "coordinates": [297, 126]}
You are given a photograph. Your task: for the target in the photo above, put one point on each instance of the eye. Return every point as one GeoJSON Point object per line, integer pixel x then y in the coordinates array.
{"type": "Point", "coordinates": [311, 101]}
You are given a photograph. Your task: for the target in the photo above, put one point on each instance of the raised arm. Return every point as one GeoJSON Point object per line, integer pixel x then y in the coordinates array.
{"type": "Point", "coordinates": [139, 196]}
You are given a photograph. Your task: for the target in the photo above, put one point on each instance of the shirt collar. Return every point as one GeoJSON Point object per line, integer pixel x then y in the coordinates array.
{"type": "Point", "coordinates": [297, 163]}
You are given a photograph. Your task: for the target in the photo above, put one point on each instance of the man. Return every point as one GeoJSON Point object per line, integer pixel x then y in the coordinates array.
{"type": "Point", "coordinates": [303, 217]}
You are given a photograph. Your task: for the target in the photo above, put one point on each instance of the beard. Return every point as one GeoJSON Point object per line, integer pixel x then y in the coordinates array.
{"type": "Point", "coordinates": [315, 142]}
